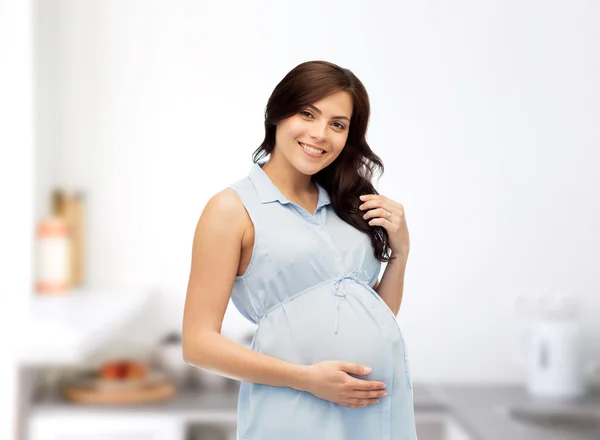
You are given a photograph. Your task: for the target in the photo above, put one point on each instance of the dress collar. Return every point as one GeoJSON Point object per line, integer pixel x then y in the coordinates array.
{"type": "Point", "coordinates": [268, 192]}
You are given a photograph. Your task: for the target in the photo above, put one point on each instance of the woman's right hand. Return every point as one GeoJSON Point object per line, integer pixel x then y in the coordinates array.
{"type": "Point", "coordinates": [329, 380]}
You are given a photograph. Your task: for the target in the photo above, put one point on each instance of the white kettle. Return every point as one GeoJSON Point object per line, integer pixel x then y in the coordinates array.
{"type": "Point", "coordinates": [552, 351]}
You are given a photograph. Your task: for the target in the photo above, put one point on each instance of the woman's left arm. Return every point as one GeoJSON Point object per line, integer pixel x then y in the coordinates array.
{"type": "Point", "coordinates": [381, 211]}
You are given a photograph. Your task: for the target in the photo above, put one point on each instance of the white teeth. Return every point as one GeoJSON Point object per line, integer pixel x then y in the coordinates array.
{"type": "Point", "coordinates": [311, 149]}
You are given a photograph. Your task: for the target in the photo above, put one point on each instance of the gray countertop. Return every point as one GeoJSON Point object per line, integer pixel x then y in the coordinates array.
{"type": "Point", "coordinates": [480, 409]}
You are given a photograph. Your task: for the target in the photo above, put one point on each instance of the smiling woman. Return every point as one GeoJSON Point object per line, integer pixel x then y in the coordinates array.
{"type": "Point", "coordinates": [293, 249]}
{"type": "Point", "coordinates": [317, 131]}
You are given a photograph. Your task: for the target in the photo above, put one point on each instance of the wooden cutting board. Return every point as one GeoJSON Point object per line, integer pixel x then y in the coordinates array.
{"type": "Point", "coordinates": [156, 392]}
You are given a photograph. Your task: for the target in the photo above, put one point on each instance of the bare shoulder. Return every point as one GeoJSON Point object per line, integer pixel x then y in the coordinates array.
{"type": "Point", "coordinates": [225, 201]}
{"type": "Point", "coordinates": [224, 211]}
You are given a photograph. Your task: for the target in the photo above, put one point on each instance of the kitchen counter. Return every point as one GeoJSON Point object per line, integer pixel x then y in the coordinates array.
{"type": "Point", "coordinates": [480, 409]}
{"type": "Point", "coordinates": [196, 405]}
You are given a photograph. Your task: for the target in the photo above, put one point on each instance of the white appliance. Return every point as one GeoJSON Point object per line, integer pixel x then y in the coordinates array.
{"type": "Point", "coordinates": [554, 366]}
{"type": "Point", "coordinates": [552, 351]}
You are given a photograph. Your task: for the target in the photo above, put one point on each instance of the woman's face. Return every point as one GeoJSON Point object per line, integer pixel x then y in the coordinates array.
{"type": "Point", "coordinates": [322, 127]}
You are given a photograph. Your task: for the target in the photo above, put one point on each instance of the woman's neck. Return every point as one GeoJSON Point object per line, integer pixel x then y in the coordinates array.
{"type": "Point", "coordinates": [291, 182]}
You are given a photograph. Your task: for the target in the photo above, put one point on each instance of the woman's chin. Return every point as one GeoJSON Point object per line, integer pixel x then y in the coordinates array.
{"type": "Point", "coordinates": [309, 166]}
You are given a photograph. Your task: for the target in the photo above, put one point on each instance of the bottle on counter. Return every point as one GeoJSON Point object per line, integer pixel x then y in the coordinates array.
{"type": "Point", "coordinates": [53, 264]}
{"type": "Point", "coordinates": [60, 245]}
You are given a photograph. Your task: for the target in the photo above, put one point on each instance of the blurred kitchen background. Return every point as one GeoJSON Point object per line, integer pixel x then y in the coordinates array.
{"type": "Point", "coordinates": [120, 119]}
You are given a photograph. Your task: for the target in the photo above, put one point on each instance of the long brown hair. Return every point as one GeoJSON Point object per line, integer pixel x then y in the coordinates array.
{"type": "Point", "coordinates": [350, 174]}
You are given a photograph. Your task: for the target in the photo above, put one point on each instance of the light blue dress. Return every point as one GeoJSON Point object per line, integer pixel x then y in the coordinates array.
{"type": "Point", "coordinates": [308, 287]}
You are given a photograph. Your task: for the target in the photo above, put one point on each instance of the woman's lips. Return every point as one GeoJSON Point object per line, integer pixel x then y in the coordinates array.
{"type": "Point", "coordinates": [315, 155]}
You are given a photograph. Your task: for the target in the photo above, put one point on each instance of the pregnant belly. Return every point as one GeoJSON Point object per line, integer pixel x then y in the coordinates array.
{"type": "Point", "coordinates": [302, 330]}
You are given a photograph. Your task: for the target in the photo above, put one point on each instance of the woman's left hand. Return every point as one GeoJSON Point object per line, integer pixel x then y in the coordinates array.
{"type": "Point", "coordinates": [389, 214]}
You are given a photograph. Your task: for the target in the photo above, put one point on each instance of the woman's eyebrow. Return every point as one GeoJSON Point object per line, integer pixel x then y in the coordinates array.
{"type": "Point", "coordinates": [333, 117]}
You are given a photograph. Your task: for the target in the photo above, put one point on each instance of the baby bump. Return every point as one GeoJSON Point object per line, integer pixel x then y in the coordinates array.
{"type": "Point", "coordinates": [318, 325]}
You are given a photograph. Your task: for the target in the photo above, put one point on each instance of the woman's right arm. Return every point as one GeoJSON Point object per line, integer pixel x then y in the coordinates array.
{"type": "Point", "coordinates": [216, 255]}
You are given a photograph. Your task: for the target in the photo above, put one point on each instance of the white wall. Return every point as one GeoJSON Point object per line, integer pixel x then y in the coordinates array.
{"type": "Point", "coordinates": [16, 192]}
{"type": "Point", "coordinates": [485, 115]}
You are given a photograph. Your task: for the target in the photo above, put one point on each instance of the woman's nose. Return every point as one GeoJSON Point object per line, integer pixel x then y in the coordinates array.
{"type": "Point", "coordinates": [318, 131]}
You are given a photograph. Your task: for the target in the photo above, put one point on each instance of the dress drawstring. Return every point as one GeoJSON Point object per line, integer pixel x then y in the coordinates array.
{"type": "Point", "coordinates": [340, 291]}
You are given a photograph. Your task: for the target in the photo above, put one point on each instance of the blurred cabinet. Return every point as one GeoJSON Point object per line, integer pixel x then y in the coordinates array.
{"type": "Point", "coordinates": [454, 431]}
{"type": "Point", "coordinates": [188, 423]}
{"type": "Point", "coordinates": [105, 427]}
{"type": "Point", "coordinates": [436, 425]}
{"type": "Point", "coordinates": [206, 431]}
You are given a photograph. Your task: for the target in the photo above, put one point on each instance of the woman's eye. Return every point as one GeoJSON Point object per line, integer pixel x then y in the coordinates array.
{"type": "Point", "coordinates": [308, 114]}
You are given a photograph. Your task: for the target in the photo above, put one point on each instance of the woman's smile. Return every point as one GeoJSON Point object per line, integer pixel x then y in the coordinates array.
{"type": "Point", "coordinates": [311, 150]}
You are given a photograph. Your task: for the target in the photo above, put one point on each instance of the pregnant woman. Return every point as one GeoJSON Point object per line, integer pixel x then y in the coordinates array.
{"type": "Point", "coordinates": [298, 245]}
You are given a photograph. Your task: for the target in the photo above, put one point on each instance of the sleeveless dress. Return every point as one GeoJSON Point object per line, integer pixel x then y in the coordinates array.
{"type": "Point", "coordinates": [308, 289]}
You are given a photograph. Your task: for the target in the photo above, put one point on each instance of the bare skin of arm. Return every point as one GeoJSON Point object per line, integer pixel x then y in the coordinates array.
{"type": "Point", "coordinates": [216, 252]}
